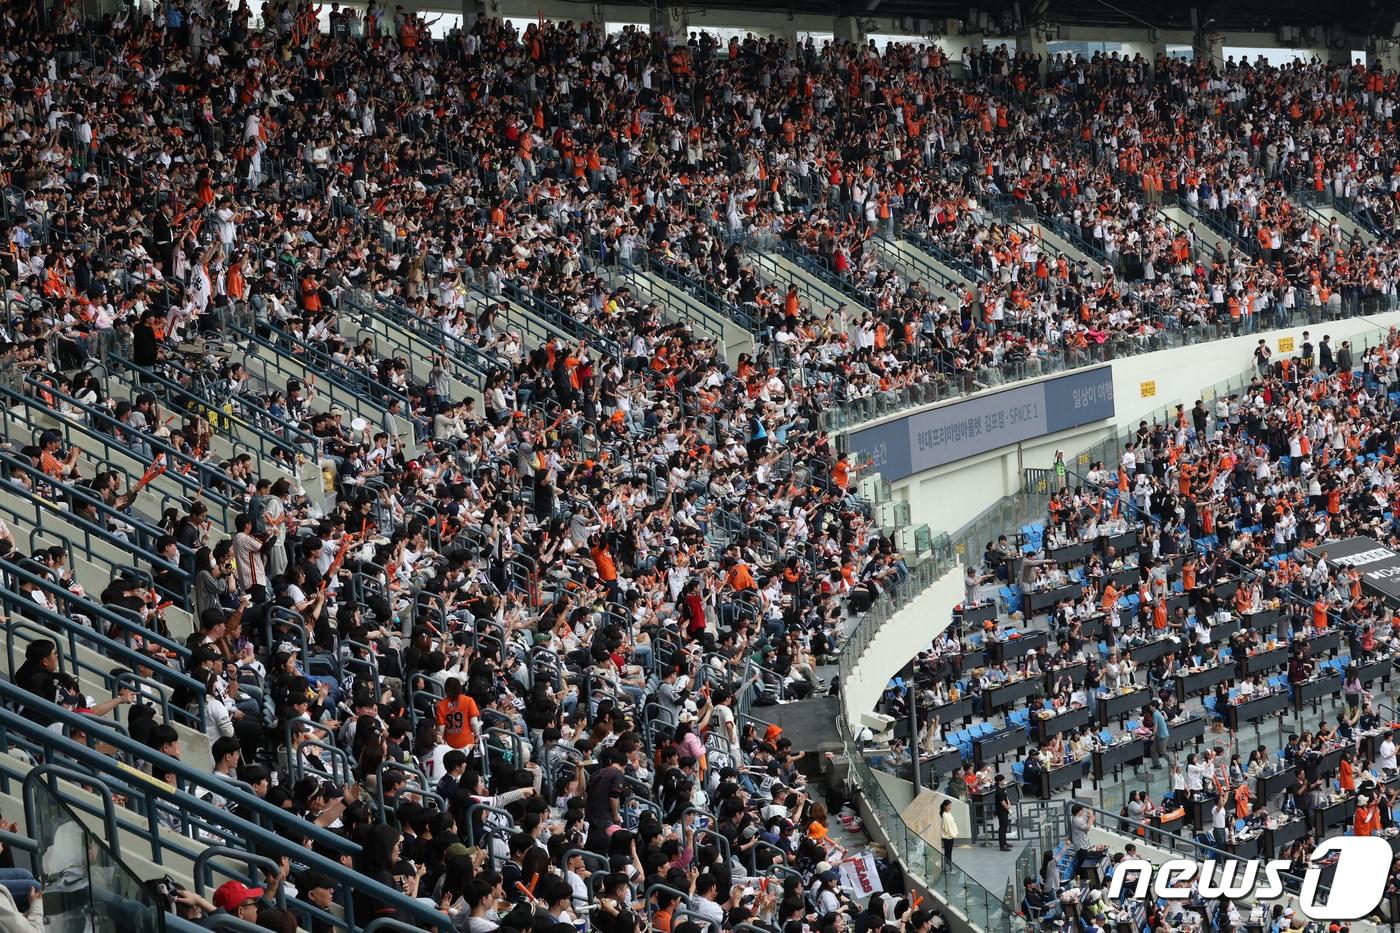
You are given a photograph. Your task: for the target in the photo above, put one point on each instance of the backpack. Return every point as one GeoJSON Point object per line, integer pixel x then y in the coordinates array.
{"type": "Point", "coordinates": [257, 513]}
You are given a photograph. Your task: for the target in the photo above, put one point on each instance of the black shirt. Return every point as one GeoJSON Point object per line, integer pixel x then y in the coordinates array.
{"type": "Point", "coordinates": [33, 677]}
{"type": "Point", "coordinates": [604, 786]}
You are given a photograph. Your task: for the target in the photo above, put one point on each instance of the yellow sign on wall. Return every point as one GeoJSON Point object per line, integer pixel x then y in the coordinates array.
{"type": "Point", "coordinates": [1148, 389]}
{"type": "Point", "coordinates": [1285, 344]}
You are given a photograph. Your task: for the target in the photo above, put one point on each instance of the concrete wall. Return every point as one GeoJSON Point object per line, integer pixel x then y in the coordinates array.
{"type": "Point", "coordinates": [1183, 373]}
{"type": "Point", "coordinates": [898, 640]}
{"type": "Point", "coordinates": [949, 497]}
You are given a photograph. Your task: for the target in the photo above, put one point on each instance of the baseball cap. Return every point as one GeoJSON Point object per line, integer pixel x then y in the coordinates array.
{"type": "Point", "coordinates": [233, 894]}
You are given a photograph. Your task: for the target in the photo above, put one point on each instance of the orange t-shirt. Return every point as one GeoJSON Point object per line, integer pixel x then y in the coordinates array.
{"type": "Point", "coordinates": [740, 578]}
{"type": "Point", "coordinates": [841, 473]}
{"type": "Point", "coordinates": [603, 560]}
{"type": "Point", "coordinates": [456, 721]}
{"type": "Point", "coordinates": [1368, 820]}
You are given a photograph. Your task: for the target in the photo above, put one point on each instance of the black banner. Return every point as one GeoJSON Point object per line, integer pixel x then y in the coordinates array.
{"type": "Point", "coordinates": [1378, 564]}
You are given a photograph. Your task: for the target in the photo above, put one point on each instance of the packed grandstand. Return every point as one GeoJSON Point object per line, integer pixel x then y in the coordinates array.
{"type": "Point", "coordinates": [426, 480]}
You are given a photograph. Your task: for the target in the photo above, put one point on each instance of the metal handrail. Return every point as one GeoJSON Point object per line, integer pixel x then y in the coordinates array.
{"type": "Point", "coordinates": [565, 322]}
{"type": "Point", "coordinates": [53, 772]}
{"type": "Point", "coordinates": [93, 532]}
{"type": "Point", "coordinates": [476, 361]}
{"type": "Point", "coordinates": [763, 263]}
{"type": "Point", "coordinates": [296, 439]}
{"type": "Point", "coordinates": [820, 267]}
{"type": "Point", "coordinates": [75, 634]}
{"type": "Point", "coordinates": [697, 290]}
{"type": "Point", "coordinates": [915, 236]}
{"type": "Point", "coordinates": [263, 840]}
{"type": "Point", "coordinates": [358, 385]}
{"type": "Point", "coordinates": [97, 418]}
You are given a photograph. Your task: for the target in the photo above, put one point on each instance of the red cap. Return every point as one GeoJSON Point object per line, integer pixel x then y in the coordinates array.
{"type": "Point", "coordinates": [232, 895]}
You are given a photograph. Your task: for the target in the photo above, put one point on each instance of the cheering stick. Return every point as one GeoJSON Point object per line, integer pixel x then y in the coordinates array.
{"type": "Point", "coordinates": [156, 468]}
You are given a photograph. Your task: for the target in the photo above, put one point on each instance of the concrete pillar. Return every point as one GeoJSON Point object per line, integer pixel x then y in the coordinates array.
{"type": "Point", "coordinates": [1387, 54]}
{"type": "Point", "coordinates": [1339, 51]}
{"type": "Point", "coordinates": [473, 10]}
{"type": "Point", "coordinates": [1209, 46]}
{"type": "Point", "coordinates": [1155, 45]}
{"type": "Point", "coordinates": [788, 31]}
{"type": "Point", "coordinates": [1032, 42]}
{"type": "Point", "coordinates": [848, 29]}
{"type": "Point", "coordinates": [954, 45]}
{"type": "Point", "coordinates": [669, 21]}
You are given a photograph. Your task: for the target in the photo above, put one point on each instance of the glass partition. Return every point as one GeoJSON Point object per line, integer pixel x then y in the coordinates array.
{"type": "Point", "coordinates": [984, 908]}
{"type": "Point", "coordinates": [942, 386]}
{"type": "Point", "coordinates": [86, 887]}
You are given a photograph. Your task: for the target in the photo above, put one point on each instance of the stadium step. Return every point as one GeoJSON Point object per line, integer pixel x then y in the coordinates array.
{"type": "Point", "coordinates": [1208, 239]}
{"type": "Point", "coordinates": [134, 837]}
{"type": "Point", "coordinates": [22, 422]}
{"type": "Point", "coordinates": [686, 308]}
{"type": "Point", "coordinates": [231, 436]}
{"type": "Point", "coordinates": [913, 263]}
{"type": "Point", "coordinates": [275, 369]}
{"type": "Point", "coordinates": [1056, 245]}
{"type": "Point", "coordinates": [1326, 214]}
{"type": "Point", "coordinates": [781, 270]}
{"type": "Point", "coordinates": [365, 315]}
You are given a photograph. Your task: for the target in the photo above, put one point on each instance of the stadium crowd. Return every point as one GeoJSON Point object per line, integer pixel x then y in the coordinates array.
{"type": "Point", "coordinates": [1170, 606]}
{"type": "Point", "coordinates": [557, 605]}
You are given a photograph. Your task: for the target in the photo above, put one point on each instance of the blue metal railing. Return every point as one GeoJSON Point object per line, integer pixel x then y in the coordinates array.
{"type": "Point", "coordinates": [178, 397]}
{"type": "Point", "coordinates": [562, 320]}
{"type": "Point", "coordinates": [100, 428]}
{"type": "Point", "coordinates": [154, 803]}
{"type": "Point", "coordinates": [822, 269]}
{"type": "Point", "coordinates": [646, 262]}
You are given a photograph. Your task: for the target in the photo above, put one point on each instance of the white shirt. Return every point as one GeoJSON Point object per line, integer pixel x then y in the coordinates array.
{"type": "Point", "coordinates": [708, 909]}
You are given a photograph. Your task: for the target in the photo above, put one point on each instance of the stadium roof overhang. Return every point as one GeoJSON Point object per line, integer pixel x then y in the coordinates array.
{"type": "Point", "coordinates": [1361, 17]}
